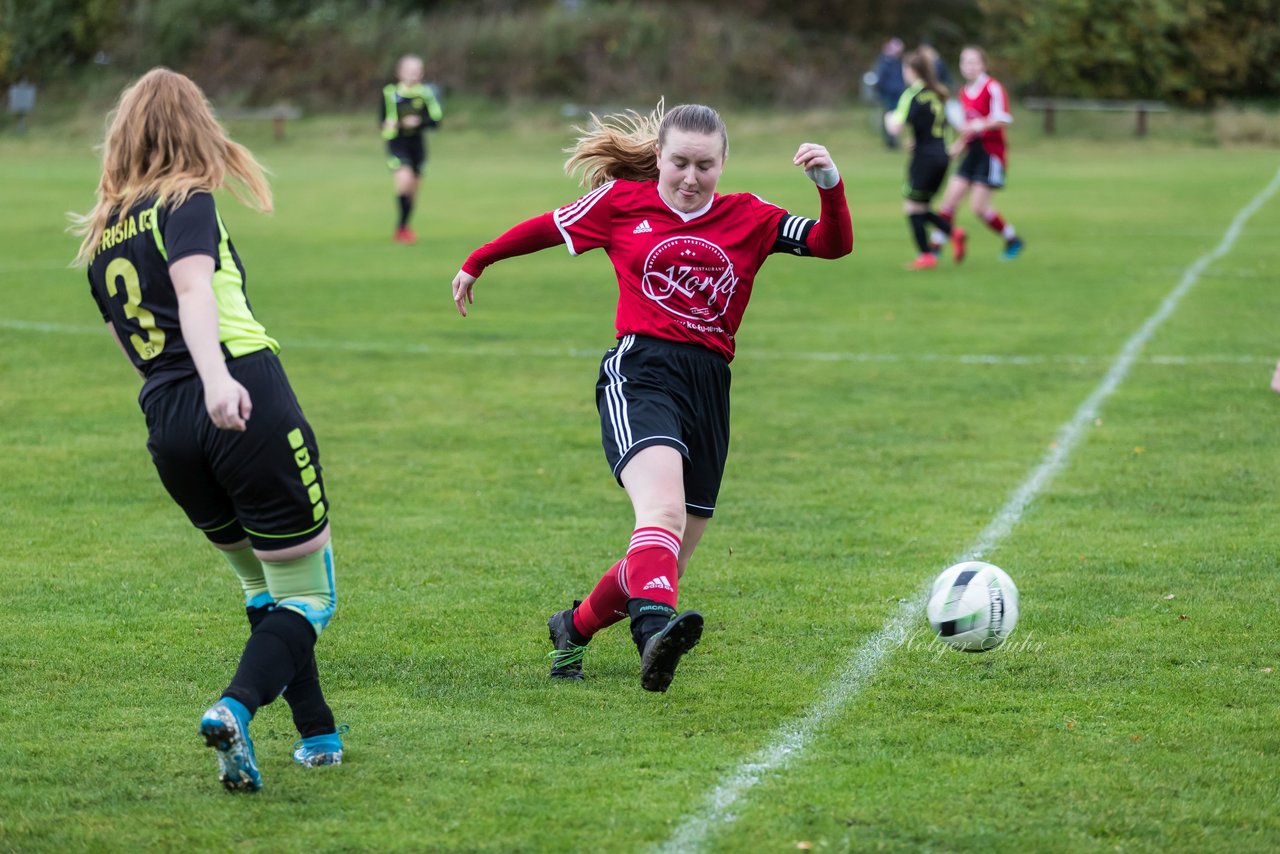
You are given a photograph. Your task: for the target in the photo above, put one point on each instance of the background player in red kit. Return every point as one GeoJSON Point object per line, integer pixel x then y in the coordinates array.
{"type": "Point", "coordinates": [686, 260]}
{"type": "Point", "coordinates": [982, 139]}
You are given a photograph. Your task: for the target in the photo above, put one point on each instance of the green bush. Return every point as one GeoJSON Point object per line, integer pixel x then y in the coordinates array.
{"type": "Point", "coordinates": [336, 54]}
{"type": "Point", "coordinates": [1191, 52]}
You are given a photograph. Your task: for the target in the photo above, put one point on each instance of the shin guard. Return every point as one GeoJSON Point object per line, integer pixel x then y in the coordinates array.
{"type": "Point", "coordinates": [305, 586]}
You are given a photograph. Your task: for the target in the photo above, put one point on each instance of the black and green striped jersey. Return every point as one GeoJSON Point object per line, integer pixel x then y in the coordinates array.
{"type": "Point", "coordinates": [923, 111]}
{"type": "Point", "coordinates": [400, 101]}
{"type": "Point", "coordinates": [129, 280]}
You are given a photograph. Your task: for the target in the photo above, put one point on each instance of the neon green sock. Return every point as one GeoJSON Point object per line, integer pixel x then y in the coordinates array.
{"type": "Point", "coordinates": [306, 586]}
{"type": "Point", "coordinates": [245, 564]}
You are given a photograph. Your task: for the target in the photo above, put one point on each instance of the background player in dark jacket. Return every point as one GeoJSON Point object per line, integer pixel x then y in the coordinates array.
{"type": "Point", "coordinates": [686, 259]}
{"type": "Point", "coordinates": [225, 432]}
{"type": "Point", "coordinates": [889, 81]}
{"type": "Point", "coordinates": [923, 109]}
{"type": "Point", "coordinates": [406, 110]}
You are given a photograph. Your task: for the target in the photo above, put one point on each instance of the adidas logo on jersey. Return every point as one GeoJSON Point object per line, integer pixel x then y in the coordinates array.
{"type": "Point", "coordinates": [660, 583]}
{"type": "Point", "coordinates": [643, 228]}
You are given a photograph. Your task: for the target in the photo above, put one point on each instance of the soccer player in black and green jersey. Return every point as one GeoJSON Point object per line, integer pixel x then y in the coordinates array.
{"type": "Point", "coordinates": [407, 109]}
{"type": "Point", "coordinates": [225, 432]}
{"type": "Point", "coordinates": [923, 109]}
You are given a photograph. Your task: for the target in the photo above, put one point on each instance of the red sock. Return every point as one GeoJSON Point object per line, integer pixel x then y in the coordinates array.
{"type": "Point", "coordinates": [606, 604]}
{"type": "Point", "coordinates": [652, 565]}
{"type": "Point", "coordinates": [994, 222]}
{"type": "Point", "coordinates": [949, 214]}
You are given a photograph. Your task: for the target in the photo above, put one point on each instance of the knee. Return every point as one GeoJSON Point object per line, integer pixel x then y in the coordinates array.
{"type": "Point", "coordinates": [668, 515]}
{"type": "Point", "coordinates": [306, 586]}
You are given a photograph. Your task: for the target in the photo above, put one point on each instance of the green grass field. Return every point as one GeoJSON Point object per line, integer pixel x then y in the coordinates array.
{"type": "Point", "coordinates": [1135, 709]}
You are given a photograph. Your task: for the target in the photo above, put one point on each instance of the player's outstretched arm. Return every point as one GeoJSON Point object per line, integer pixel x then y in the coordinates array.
{"type": "Point", "coordinates": [529, 236]}
{"type": "Point", "coordinates": [832, 237]}
{"type": "Point", "coordinates": [816, 162]}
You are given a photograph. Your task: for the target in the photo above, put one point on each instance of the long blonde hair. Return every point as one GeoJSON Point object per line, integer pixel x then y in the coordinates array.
{"type": "Point", "coordinates": [163, 140]}
{"type": "Point", "coordinates": [923, 61]}
{"type": "Point", "coordinates": [624, 145]}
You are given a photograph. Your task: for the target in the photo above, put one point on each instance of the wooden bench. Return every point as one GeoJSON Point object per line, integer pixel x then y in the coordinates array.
{"type": "Point", "coordinates": [278, 116]}
{"type": "Point", "coordinates": [1050, 106]}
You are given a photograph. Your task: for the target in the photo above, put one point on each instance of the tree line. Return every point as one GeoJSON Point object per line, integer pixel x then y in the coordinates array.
{"type": "Point", "coordinates": [801, 53]}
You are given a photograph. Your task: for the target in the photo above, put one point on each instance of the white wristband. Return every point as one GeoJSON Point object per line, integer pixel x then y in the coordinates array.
{"type": "Point", "coordinates": [824, 178]}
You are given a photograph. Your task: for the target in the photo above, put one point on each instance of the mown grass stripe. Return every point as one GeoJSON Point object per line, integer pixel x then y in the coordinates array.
{"type": "Point", "coordinates": [993, 359]}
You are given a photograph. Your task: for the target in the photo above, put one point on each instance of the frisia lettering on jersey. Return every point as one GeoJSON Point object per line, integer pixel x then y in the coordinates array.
{"type": "Point", "coordinates": [690, 277]}
{"type": "Point", "coordinates": [130, 226]}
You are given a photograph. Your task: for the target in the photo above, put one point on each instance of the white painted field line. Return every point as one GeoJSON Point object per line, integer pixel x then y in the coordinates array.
{"type": "Point", "coordinates": [790, 740]}
{"type": "Point", "coordinates": [43, 327]}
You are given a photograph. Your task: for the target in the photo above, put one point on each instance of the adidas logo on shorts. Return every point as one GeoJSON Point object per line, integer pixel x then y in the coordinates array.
{"type": "Point", "coordinates": [643, 228]}
{"type": "Point", "coordinates": [659, 583]}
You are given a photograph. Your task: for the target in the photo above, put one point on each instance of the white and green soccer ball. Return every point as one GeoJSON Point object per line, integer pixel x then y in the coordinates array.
{"type": "Point", "coordinates": [973, 606]}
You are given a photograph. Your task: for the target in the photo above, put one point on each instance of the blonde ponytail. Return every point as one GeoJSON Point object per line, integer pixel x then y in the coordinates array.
{"type": "Point", "coordinates": [624, 145]}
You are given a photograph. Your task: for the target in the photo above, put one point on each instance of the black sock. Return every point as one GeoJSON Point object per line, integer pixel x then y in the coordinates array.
{"type": "Point", "coordinates": [647, 619]}
{"type": "Point", "coordinates": [917, 230]}
{"type": "Point", "coordinates": [311, 714]}
{"type": "Point", "coordinates": [574, 635]}
{"type": "Point", "coordinates": [941, 223]}
{"type": "Point", "coordinates": [406, 208]}
{"type": "Point", "coordinates": [277, 650]}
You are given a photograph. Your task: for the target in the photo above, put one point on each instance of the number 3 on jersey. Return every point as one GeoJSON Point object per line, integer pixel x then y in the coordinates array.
{"type": "Point", "coordinates": [149, 347]}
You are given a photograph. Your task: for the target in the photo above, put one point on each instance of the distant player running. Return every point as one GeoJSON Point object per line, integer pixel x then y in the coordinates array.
{"type": "Point", "coordinates": [982, 140]}
{"type": "Point", "coordinates": [406, 110]}
{"type": "Point", "coordinates": [225, 432]}
{"type": "Point", "coordinates": [923, 109]}
{"type": "Point", "coordinates": [686, 259]}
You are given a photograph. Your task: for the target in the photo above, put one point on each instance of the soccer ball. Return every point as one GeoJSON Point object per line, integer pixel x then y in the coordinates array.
{"type": "Point", "coordinates": [973, 606]}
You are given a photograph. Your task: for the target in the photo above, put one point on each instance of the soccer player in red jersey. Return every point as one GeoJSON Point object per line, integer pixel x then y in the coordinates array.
{"type": "Point", "coordinates": [686, 259]}
{"type": "Point", "coordinates": [982, 140]}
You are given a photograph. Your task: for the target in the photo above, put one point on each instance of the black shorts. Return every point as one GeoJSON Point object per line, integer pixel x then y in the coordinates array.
{"type": "Point", "coordinates": [924, 176]}
{"type": "Point", "coordinates": [656, 392]}
{"type": "Point", "coordinates": [408, 151]}
{"type": "Point", "coordinates": [979, 167]}
{"type": "Point", "coordinates": [264, 482]}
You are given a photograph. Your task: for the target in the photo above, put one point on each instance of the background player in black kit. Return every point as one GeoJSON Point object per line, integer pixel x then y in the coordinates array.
{"type": "Point", "coordinates": [923, 109]}
{"type": "Point", "coordinates": [225, 432]}
{"type": "Point", "coordinates": [407, 109]}
{"type": "Point", "coordinates": [686, 260]}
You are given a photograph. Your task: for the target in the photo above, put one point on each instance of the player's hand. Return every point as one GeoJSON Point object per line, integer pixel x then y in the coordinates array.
{"type": "Point", "coordinates": [462, 284]}
{"type": "Point", "coordinates": [410, 122]}
{"type": "Point", "coordinates": [228, 404]}
{"type": "Point", "coordinates": [957, 148]}
{"type": "Point", "coordinates": [816, 162]}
